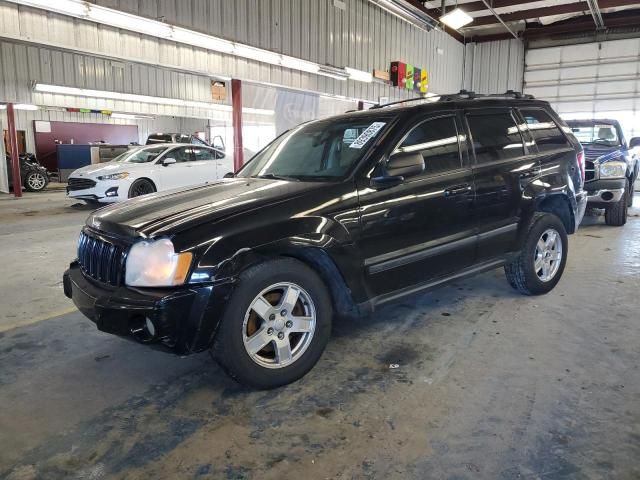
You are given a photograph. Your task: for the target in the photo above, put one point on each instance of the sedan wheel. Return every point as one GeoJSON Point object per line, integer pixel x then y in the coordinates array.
{"type": "Point", "coordinates": [279, 325]}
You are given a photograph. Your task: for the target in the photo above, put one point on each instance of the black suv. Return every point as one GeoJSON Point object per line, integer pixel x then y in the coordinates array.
{"type": "Point", "coordinates": [334, 218]}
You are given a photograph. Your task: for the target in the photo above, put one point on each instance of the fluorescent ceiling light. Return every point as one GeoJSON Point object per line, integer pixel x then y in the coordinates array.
{"type": "Point", "coordinates": [21, 106]}
{"type": "Point", "coordinates": [118, 19]}
{"type": "Point", "coordinates": [359, 75]}
{"type": "Point", "coordinates": [456, 18]}
{"type": "Point", "coordinates": [126, 21]}
{"type": "Point", "coordinates": [407, 12]}
{"type": "Point", "coordinates": [132, 97]}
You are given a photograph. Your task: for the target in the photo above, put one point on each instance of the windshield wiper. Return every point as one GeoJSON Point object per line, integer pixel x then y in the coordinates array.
{"type": "Point", "coordinates": [272, 176]}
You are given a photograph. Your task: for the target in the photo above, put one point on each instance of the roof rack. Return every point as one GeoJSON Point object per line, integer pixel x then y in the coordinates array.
{"type": "Point", "coordinates": [462, 95]}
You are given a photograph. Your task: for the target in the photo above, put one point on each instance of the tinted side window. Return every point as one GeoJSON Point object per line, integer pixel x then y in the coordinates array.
{"type": "Point", "coordinates": [203, 153]}
{"type": "Point", "coordinates": [437, 141]}
{"type": "Point", "coordinates": [181, 154]}
{"type": "Point", "coordinates": [544, 130]}
{"type": "Point", "coordinates": [495, 136]}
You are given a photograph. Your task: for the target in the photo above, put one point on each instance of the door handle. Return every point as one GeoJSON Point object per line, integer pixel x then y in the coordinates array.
{"type": "Point", "coordinates": [457, 190]}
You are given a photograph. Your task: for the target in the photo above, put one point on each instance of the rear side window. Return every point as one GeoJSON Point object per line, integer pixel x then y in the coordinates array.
{"type": "Point", "coordinates": [495, 136]}
{"type": "Point", "coordinates": [544, 130]}
{"type": "Point", "coordinates": [203, 153]}
{"type": "Point", "coordinates": [437, 142]}
{"type": "Point", "coordinates": [181, 155]}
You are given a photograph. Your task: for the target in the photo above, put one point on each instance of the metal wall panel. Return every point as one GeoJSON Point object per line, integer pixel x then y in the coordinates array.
{"type": "Point", "coordinates": [494, 67]}
{"type": "Point", "coordinates": [363, 36]}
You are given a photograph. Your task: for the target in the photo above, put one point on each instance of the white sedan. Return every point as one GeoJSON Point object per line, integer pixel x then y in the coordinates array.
{"type": "Point", "coordinates": [144, 170]}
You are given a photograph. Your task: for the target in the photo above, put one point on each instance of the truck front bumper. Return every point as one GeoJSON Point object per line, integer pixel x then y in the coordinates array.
{"type": "Point", "coordinates": [180, 319]}
{"type": "Point", "coordinates": [604, 192]}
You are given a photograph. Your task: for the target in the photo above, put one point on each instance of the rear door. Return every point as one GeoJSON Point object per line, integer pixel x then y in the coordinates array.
{"type": "Point", "coordinates": [503, 164]}
{"type": "Point", "coordinates": [420, 229]}
{"type": "Point", "coordinates": [204, 164]}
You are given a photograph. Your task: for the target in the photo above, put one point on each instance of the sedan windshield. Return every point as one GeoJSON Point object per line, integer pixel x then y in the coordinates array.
{"type": "Point", "coordinates": [598, 133]}
{"type": "Point", "coordinates": [322, 150]}
{"type": "Point", "coordinates": [140, 155]}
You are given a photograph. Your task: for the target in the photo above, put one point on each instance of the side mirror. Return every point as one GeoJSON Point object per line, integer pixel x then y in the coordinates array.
{"type": "Point", "coordinates": [229, 175]}
{"type": "Point", "coordinates": [634, 142]}
{"type": "Point", "coordinates": [405, 164]}
{"type": "Point", "coordinates": [168, 161]}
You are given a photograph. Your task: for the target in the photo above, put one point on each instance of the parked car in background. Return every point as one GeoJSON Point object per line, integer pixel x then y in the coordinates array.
{"type": "Point", "coordinates": [34, 177]}
{"type": "Point", "coordinates": [611, 167]}
{"type": "Point", "coordinates": [144, 170]}
{"type": "Point", "coordinates": [155, 138]}
{"type": "Point", "coordinates": [339, 215]}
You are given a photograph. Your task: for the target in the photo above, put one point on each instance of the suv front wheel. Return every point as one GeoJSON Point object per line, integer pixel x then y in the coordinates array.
{"type": "Point", "coordinates": [542, 258]}
{"type": "Point", "coordinates": [276, 324]}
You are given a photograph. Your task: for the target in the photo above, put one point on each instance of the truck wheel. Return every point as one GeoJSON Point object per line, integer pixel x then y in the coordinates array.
{"type": "Point", "coordinates": [630, 194]}
{"type": "Point", "coordinates": [35, 181]}
{"type": "Point", "coordinates": [276, 325]}
{"type": "Point", "coordinates": [616, 214]}
{"type": "Point", "coordinates": [542, 258]}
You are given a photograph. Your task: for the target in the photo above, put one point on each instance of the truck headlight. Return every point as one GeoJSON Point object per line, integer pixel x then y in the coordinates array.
{"type": "Point", "coordinates": [154, 263]}
{"type": "Point", "coordinates": [613, 170]}
{"type": "Point", "coordinates": [114, 176]}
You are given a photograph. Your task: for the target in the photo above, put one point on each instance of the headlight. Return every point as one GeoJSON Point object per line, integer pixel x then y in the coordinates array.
{"type": "Point", "coordinates": [114, 176]}
{"type": "Point", "coordinates": [613, 170]}
{"type": "Point", "coordinates": [154, 263]}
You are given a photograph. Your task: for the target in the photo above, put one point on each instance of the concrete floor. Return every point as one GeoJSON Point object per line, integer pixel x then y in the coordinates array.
{"type": "Point", "coordinates": [490, 384]}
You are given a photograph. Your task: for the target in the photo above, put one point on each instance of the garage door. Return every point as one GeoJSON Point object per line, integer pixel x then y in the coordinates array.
{"type": "Point", "coordinates": [591, 79]}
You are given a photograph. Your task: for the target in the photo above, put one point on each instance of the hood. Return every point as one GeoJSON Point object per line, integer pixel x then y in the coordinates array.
{"type": "Point", "coordinates": [602, 153]}
{"type": "Point", "coordinates": [169, 212]}
{"type": "Point", "coordinates": [107, 168]}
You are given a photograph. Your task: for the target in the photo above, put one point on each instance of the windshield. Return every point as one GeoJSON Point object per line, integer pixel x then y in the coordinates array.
{"type": "Point", "coordinates": [143, 155]}
{"type": "Point", "coordinates": [323, 150]}
{"type": "Point", "coordinates": [598, 133]}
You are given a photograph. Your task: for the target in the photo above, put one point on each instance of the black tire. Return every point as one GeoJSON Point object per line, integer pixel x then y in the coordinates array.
{"type": "Point", "coordinates": [521, 273]}
{"type": "Point", "coordinates": [142, 186]}
{"type": "Point", "coordinates": [630, 194]}
{"type": "Point", "coordinates": [228, 347]}
{"type": "Point", "coordinates": [616, 214]}
{"type": "Point", "coordinates": [35, 181]}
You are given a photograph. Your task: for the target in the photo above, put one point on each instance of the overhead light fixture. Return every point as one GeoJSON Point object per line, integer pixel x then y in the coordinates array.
{"type": "Point", "coordinates": [407, 12]}
{"type": "Point", "coordinates": [456, 19]}
{"type": "Point", "coordinates": [359, 75]}
{"type": "Point", "coordinates": [126, 21]}
{"type": "Point", "coordinates": [21, 106]}
{"type": "Point", "coordinates": [132, 97]}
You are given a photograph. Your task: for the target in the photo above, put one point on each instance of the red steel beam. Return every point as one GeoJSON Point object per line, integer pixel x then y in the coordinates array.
{"type": "Point", "coordinates": [548, 11]}
{"type": "Point", "coordinates": [13, 144]}
{"type": "Point", "coordinates": [236, 120]}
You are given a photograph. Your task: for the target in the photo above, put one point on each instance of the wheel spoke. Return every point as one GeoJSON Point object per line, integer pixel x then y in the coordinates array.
{"type": "Point", "coordinates": [283, 350]}
{"type": "Point", "coordinates": [258, 341]}
{"type": "Point", "coordinates": [551, 239]}
{"type": "Point", "coordinates": [541, 246]}
{"type": "Point", "coordinates": [545, 270]}
{"type": "Point", "coordinates": [538, 265]}
{"type": "Point", "coordinates": [262, 308]}
{"type": "Point", "coordinates": [289, 298]}
{"type": "Point", "coordinates": [301, 324]}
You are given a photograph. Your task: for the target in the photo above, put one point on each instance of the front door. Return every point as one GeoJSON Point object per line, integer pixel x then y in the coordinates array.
{"type": "Point", "coordinates": [181, 173]}
{"type": "Point", "coordinates": [420, 229]}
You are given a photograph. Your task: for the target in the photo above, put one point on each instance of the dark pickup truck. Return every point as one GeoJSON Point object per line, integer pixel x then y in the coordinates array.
{"type": "Point", "coordinates": [334, 218]}
{"type": "Point", "coordinates": [611, 166]}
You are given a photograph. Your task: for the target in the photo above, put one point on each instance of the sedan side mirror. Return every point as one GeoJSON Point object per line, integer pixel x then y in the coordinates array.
{"type": "Point", "coordinates": [168, 161]}
{"type": "Point", "coordinates": [634, 142]}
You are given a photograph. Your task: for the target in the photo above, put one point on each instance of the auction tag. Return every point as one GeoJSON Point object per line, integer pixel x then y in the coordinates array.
{"type": "Point", "coordinates": [367, 135]}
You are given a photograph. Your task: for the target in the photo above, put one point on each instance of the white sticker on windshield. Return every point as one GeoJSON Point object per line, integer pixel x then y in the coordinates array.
{"type": "Point", "coordinates": [368, 134]}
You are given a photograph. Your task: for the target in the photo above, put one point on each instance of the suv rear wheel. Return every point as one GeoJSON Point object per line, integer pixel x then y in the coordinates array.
{"type": "Point", "coordinates": [276, 325]}
{"type": "Point", "coordinates": [542, 258]}
{"type": "Point", "coordinates": [616, 214]}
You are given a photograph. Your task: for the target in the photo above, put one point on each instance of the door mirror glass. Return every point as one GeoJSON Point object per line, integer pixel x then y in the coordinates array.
{"type": "Point", "coordinates": [634, 142]}
{"type": "Point", "coordinates": [405, 164]}
{"type": "Point", "coordinates": [168, 161]}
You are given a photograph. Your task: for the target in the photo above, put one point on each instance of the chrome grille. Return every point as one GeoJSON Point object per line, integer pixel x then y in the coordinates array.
{"type": "Point", "coordinates": [589, 171]}
{"type": "Point", "coordinates": [75, 183]}
{"type": "Point", "coordinates": [100, 259]}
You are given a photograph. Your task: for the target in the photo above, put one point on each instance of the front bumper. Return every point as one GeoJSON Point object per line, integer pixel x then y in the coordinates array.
{"type": "Point", "coordinates": [183, 319]}
{"type": "Point", "coordinates": [105, 191]}
{"type": "Point", "coordinates": [602, 193]}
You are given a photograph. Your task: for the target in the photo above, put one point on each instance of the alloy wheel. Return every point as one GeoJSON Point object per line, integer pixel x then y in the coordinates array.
{"type": "Point", "coordinates": [548, 255]}
{"type": "Point", "coordinates": [36, 181]}
{"type": "Point", "coordinates": [279, 325]}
